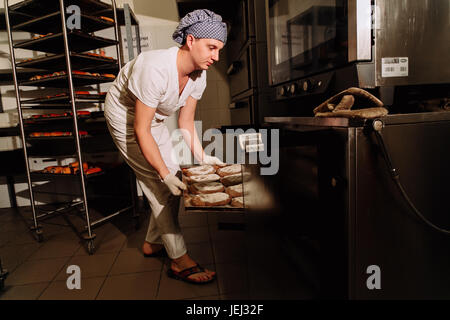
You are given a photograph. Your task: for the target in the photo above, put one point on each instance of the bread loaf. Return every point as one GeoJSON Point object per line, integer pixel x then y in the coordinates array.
{"type": "Point", "coordinates": [229, 170]}
{"type": "Point", "coordinates": [237, 202]}
{"type": "Point", "coordinates": [234, 179]}
{"type": "Point", "coordinates": [206, 187]}
{"type": "Point", "coordinates": [200, 170]}
{"type": "Point", "coordinates": [211, 199]}
{"type": "Point", "coordinates": [203, 178]}
{"type": "Point", "coordinates": [235, 191]}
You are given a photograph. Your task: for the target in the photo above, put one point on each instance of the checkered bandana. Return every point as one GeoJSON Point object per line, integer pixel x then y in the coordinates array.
{"type": "Point", "coordinates": [201, 23]}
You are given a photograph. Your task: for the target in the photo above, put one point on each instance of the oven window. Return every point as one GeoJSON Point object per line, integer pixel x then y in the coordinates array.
{"type": "Point", "coordinates": [306, 37]}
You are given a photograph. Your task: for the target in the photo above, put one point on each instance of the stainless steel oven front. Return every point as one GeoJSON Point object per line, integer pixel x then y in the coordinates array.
{"type": "Point", "coordinates": [381, 42]}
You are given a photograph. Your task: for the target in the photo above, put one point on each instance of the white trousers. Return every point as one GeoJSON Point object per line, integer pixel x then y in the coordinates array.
{"type": "Point", "coordinates": [163, 227]}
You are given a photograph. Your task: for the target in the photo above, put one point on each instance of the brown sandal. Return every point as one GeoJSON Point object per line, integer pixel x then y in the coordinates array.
{"type": "Point", "coordinates": [184, 274]}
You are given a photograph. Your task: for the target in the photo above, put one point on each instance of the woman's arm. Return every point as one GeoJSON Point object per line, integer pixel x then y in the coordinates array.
{"type": "Point", "coordinates": [186, 122]}
{"type": "Point", "coordinates": [142, 126]}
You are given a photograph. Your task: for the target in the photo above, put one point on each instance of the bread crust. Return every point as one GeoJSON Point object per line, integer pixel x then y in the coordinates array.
{"type": "Point", "coordinates": [206, 187]}
{"type": "Point", "coordinates": [235, 191]}
{"type": "Point", "coordinates": [199, 170]}
{"type": "Point", "coordinates": [237, 202]}
{"type": "Point", "coordinates": [229, 170]}
{"type": "Point", "coordinates": [207, 200]}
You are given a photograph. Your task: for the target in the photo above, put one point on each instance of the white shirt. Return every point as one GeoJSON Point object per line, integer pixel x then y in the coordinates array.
{"type": "Point", "coordinates": [152, 77]}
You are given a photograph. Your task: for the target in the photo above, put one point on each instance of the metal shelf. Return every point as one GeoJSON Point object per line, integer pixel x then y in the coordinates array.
{"type": "Point", "coordinates": [79, 42]}
{"type": "Point", "coordinates": [44, 176]}
{"type": "Point", "coordinates": [79, 98]}
{"type": "Point", "coordinates": [49, 16]}
{"type": "Point", "coordinates": [62, 81]}
{"type": "Point", "coordinates": [42, 7]}
{"type": "Point", "coordinates": [51, 23]}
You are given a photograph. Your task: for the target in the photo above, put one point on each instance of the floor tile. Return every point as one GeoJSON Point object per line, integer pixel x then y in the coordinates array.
{"type": "Point", "coordinates": [195, 234]}
{"type": "Point", "coordinates": [15, 225]}
{"type": "Point", "coordinates": [25, 292]}
{"type": "Point", "coordinates": [232, 278]}
{"type": "Point", "coordinates": [132, 261]}
{"type": "Point", "coordinates": [171, 289]}
{"type": "Point", "coordinates": [17, 237]}
{"type": "Point", "coordinates": [92, 266]}
{"type": "Point", "coordinates": [135, 239]}
{"type": "Point", "coordinates": [136, 286]}
{"type": "Point", "coordinates": [36, 271]}
{"type": "Point", "coordinates": [13, 255]}
{"type": "Point", "coordinates": [58, 290]}
{"type": "Point", "coordinates": [108, 239]}
{"type": "Point", "coordinates": [57, 246]}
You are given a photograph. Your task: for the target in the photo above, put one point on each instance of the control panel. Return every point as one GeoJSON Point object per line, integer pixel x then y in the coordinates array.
{"type": "Point", "coordinates": [303, 87]}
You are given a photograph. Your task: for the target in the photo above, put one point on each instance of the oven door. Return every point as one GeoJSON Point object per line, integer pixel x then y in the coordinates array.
{"type": "Point", "coordinates": [306, 37]}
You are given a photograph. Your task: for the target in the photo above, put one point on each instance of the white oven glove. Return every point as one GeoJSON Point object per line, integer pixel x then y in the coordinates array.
{"type": "Point", "coordinates": [174, 184]}
{"type": "Point", "coordinates": [211, 161]}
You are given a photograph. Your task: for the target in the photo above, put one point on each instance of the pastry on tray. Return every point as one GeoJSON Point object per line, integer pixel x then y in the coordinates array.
{"type": "Point", "coordinates": [203, 178]}
{"type": "Point", "coordinates": [234, 179]}
{"type": "Point", "coordinates": [211, 199]}
{"type": "Point", "coordinates": [235, 191]}
{"type": "Point", "coordinates": [237, 202]}
{"type": "Point", "coordinates": [206, 187]}
{"type": "Point", "coordinates": [229, 170]}
{"type": "Point", "coordinates": [199, 170]}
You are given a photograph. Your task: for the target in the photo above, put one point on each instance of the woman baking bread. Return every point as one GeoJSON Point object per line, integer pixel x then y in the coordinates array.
{"type": "Point", "coordinates": [146, 91]}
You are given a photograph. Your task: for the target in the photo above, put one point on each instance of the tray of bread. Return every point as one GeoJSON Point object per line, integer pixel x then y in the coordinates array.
{"type": "Point", "coordinates": [214, 187]}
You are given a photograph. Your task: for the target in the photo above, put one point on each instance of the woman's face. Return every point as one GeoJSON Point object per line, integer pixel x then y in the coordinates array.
{"type": "Point", "coordinates": [204, 52]}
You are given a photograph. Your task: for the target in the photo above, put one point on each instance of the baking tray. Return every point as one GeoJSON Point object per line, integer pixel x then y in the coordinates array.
{"type": "Point", "coordinates": [192, 208]}
{"type": "Point", "coordinates": [40, 7]}
{"type": "Point", "coordinates": [51, 23]}
{"type": "Point", "coordinates": [62, 81]}
{"type": "Point", "coordinates": [79, 98]}
{"type": "Point", "coordinates": [54, 43]}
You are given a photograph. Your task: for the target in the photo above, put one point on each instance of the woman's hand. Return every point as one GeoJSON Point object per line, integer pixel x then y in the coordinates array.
{"type": "Point", "coordinates": [174, 184]}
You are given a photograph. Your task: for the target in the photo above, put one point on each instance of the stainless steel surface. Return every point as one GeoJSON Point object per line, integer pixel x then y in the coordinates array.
{"type": "Point", "coordinates": [75, 116]}
{"type": "Point", "coordinates": [118, 34]}
{"type": "Point", "coordinates": [359, 30]}
{"type": "Point", "coordinates": [393, 119]}
{"type": "Point", "coordinates": [418, 30]}
{"type": "Point", "coordinates": [19, 109]}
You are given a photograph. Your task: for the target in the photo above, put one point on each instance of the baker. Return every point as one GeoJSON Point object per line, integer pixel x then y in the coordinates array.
{"type": "Point", "coordinates": [146, 91]}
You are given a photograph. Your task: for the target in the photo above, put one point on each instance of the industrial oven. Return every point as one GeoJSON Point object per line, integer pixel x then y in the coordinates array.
{"type": "Point", "coordinates": [342, 215]}
{"type": "Point", "coordinates": [324, 46]}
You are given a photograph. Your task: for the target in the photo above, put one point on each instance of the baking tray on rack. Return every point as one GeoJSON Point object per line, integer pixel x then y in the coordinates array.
{"type": "Point", "coordinates": [189, 207]}
{"type": "Point", "coordinates": [65, 100]}
{"type": "Point", "coordinates": [54, 43]}
{"type": "Point", "coordinates": [62, 81]}
{"type": "Point", "coordinates": [40, 7]}
{"type": "Point", "coordinates": [51, 23]}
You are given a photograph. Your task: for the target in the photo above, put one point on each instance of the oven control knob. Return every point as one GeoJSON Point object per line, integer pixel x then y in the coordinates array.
{"type": "Point", "coordinates": [284, 90]}
{"type": "Point", "coordinates": [293, 88]}
{"type": "Point", "coordinates": [307, 85]}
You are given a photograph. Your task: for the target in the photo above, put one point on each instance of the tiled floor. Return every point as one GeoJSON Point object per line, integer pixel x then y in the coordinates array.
{"type": "Point", "coordinates": [248, 261]}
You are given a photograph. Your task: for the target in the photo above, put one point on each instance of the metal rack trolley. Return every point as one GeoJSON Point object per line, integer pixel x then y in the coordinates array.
{"type": "Point", "coordinates": [71, 57]}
